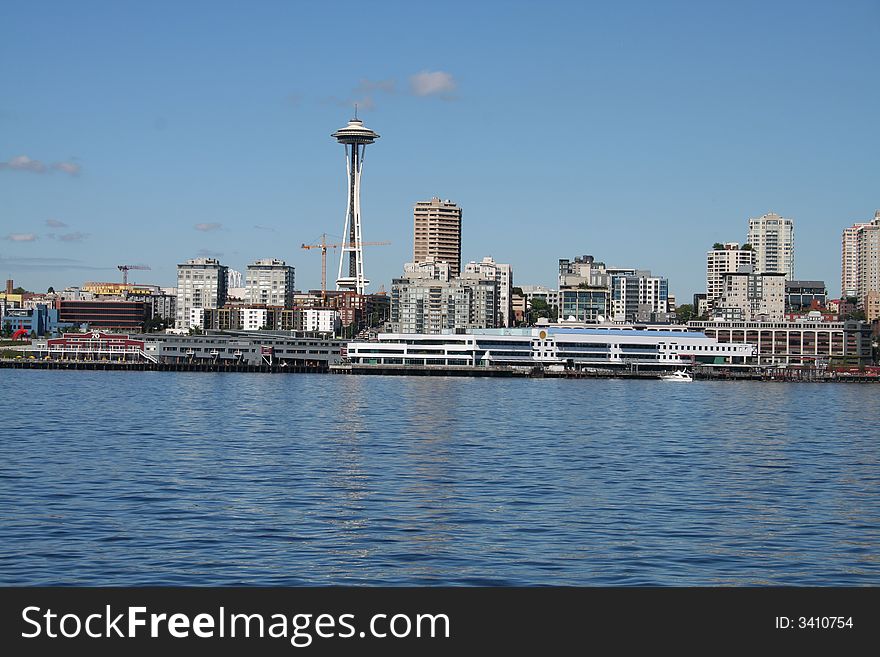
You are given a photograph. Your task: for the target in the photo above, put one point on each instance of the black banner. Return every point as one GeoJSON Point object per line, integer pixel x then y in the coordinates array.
{"type": "Point", "coordinates": [432, 620]}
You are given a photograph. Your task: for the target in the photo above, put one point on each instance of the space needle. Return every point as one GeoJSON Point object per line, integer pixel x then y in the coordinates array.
{"type": "Point", "coordinates": [355, 137]}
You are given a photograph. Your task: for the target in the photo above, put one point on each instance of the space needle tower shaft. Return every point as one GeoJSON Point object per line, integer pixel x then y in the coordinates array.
{"type": "Point", "coordinates": [354, 137]}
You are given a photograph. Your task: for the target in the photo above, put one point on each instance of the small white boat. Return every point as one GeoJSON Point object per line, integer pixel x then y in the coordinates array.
{"type": "Point", "coordinates": [678, 375]}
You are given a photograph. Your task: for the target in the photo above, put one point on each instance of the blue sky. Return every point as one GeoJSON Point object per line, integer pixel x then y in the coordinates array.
{"type": "Point", "coordinates": [639, 132]}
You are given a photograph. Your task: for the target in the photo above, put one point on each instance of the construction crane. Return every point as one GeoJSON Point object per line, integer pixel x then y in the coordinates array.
{"type": "Point", "coordinates": [124, 269]}
{"type": "Point", "coordinates": [324, 245]}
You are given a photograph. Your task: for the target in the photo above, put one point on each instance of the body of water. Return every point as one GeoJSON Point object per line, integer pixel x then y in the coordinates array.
{"type": "Point", "coordinates": [150, 478]}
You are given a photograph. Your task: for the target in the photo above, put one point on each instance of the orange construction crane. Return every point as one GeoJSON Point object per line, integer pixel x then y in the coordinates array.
{"type": "Point", "coordinates": [324, 245]}
{"type": "Point", "coordinates": [124, 269]}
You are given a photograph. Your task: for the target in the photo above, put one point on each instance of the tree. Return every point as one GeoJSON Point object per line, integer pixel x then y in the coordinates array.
{"type": "Point", "coordinates": [540, 308]}
{"type": "Point", "coordinates": [858, 315]}
{"type": "Point", "coordinates": [19, 290]}
{"type": "Point", "coordinates": [718, 246]}
{"type": "Point", "coordinates": [684, 313]}
{"type": "Point", "coordinates": [154, 324]}
{"type": "Point", "coordinates": [747, 247]}
{"type": "Point", "coordinates": [51, 290]}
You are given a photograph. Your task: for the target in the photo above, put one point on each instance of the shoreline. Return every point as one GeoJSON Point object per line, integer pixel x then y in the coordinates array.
{"type": "Point", "coordinates": [782, 375]}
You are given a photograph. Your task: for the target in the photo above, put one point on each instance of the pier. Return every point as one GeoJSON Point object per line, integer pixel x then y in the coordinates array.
{"type": "Point", "coordinates": [148, 366]}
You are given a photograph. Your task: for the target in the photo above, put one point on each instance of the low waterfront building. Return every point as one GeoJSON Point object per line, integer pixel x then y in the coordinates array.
{"type": "Point", "coordinates": [608, 346]}
{"type": "Point", "coordinates": [242, 346]}
{"type": "Point", "coordinates": [805, 342]}
{"type": "Point", "coordinates": [93, 345]}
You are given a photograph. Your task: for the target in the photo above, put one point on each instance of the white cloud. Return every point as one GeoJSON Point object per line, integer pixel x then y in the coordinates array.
{"type": "Point", "coordinates": [54, 223]}
{"type": "Point", "coordinates": [68, 167]}
{"type": "Point", "coordinates": [21, 237]}
{"type": "Point", "coordinates": [207, 227]}
{"type": "Point", "coordinates": [24, 163]}
{"type": "Point", "coordinates": [432, 83]}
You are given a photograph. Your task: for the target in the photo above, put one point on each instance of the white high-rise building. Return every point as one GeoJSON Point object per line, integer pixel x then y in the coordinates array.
{"type": "Point", "coordinates": [868, 268]}
{"type": "Point", "coordinates": [729, 258]}
{"type": "Point", "coordinates": [849, 260]}
{"type": "Point", "coordinates": [502, 274]}
{"type": "Point", "coordinates": [428, 300]}
{"type": "Point", "coordinates": [320, 320]}
{"type": "Point", "coordinates": [747, 296]}
{"type": "Point", "coordinates": [772, 238]}
{"type": "Point", "coordinates": [201, 283]}
{"type": "Point", "coordinates": [270, 282]}
{"type": "Point", "coordinates": [636, 294]}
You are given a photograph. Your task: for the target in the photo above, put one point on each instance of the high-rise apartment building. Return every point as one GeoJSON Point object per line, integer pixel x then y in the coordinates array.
{"type": "Point", "coordinates": [868, 268]}
{"type": "Point", "coordinates": [437, 233]}
{"type": "Point", "coordinates": [719, 261]}
{"type": "Point", "coordinates": [428, 300]}
{"type": "Point", "coordinates": [270, 282]}
{"type": "Point", "coordinates": [201, 283]}
{"type": "Point", "coordinates": [849, 258]}
{"type": "Point", "coordinates": [590, 291]}
{"type": "Point", "coordinates": [502, 274]}
{"type": "Point", "coordinates": [638, 294]}
{"type": "Point", "coordinates": [748, 297]}
{"type": "Point", "coordinates": [772, 238]}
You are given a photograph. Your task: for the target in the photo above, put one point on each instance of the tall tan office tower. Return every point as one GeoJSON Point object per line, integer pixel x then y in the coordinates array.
{"type": "Point", "coordinates": [437, 233]}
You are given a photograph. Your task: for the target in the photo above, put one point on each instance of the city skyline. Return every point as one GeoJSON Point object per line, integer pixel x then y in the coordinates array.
{"type": "Point", "coordinates": [623, 119]}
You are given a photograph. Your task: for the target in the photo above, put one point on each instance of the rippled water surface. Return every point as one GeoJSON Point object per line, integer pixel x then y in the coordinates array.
{"type": "Point", "coordinates": [120, 478]}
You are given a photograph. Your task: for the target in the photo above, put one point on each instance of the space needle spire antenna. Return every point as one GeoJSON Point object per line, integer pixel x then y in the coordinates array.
{"type": "Point", "coordinates": [354, 137]}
